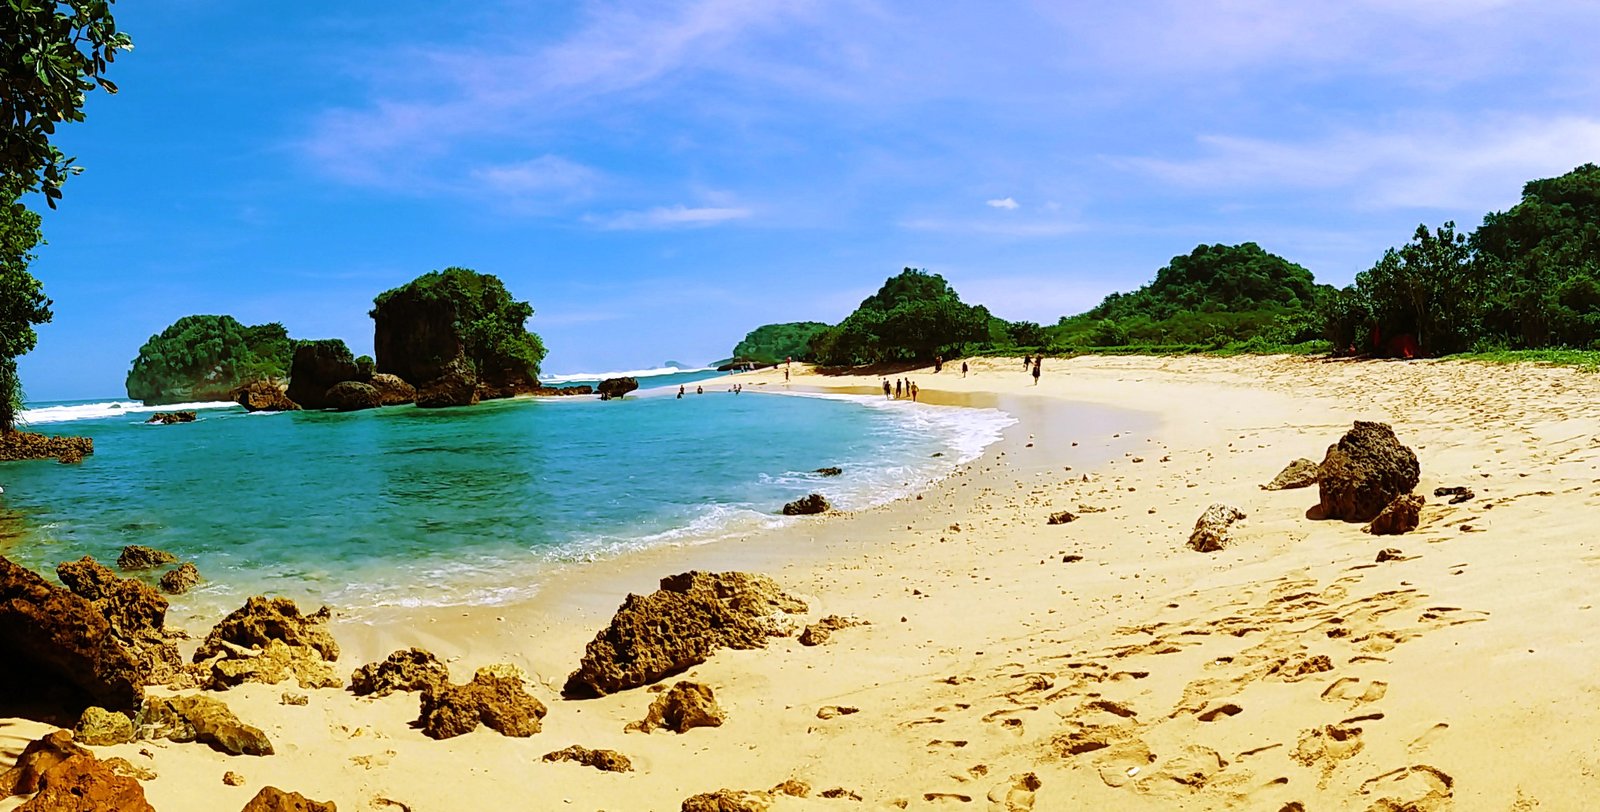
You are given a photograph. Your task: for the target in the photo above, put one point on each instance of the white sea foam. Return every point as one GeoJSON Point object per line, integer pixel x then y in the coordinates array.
{"type": "Point", "coordinates": [625, 373]}
{"type": "Point", "coordinates": [109, 408]}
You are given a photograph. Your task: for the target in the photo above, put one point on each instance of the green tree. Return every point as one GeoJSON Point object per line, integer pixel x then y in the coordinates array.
{"type": "Point", "coordinates": [914, 316]}
{"type": "Point", "coordinates": [52, 53]}
{"type": "Point", "coordinates": [1428, 288]}
{"type": "Point", "coordinates": [492, 325]}
{"type": "Point", "coordinates": [771, 343]}
{"type": "Point", "coordinates": [205, 357]}
{"type": "Point", "coordinates": [22, 303]}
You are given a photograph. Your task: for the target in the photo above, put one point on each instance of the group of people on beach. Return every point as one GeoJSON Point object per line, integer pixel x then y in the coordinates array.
{"type": "Point", "coordinates": [902, 388]}
{"type": "Point", "coordinates": [701, 390]}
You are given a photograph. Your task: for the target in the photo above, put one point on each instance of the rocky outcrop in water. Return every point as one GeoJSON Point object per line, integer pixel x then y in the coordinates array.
{"type": "Point", "coordinates": [205, 720]}
{"type": "Point", "coordinates": [181, 579]}
{"type": "Point", "coordinates": [807, 506]}
{"type": "Point", "coordinates": [693, 614]}
{"type": "Point", "coordinates": [352, 396]}
{"type": "Point", "coordinates": [392, 389]}
{"type": "Point", "coordinates": [317, 366]}
{"type": "Point", "coordinates": [562, 391]}
{"type": "Point", "coordinates": [263, 396]}
{"type": "Point", "coordinates": [139, 557]}
{"type": "Point", "coordinates": [51, 638]}
{"type": "Point", "coordinates": [496, 700]}
{"type": "Point", "coordinates": [456, 385]}
{"type": "Point", "coordinates": [1364, 472]}
{"type": "Point", "coordinates": [686, 706]}
{"type": "Point", "coordinates": [136, 612]}
{"type": "Point", "coordinates": [616, 387]}
{"type": "Point", "coordinates": [23, 445]}
{"type": "Point", "coordinates": [168, 418]}
{"type": "Point", "coordinates": [407, 670]}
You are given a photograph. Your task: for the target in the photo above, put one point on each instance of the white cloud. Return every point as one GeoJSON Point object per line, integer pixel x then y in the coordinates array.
{"type": "Point", "coordinates": [542, 175]}
{"type": "Point", "coordinates": [1436, 163]}
{"type": "Point", "coordinates": [663, 217]}
{"type": "Point", "coordinates": [1007, 203]}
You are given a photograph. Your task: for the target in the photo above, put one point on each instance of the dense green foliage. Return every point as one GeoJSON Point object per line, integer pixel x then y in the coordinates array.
{"type": "Point", "coordinates": [915, 316]}
{"type": "Point", "coordinates": [1527, 278]}
{"type": "Point", "coordinates": [493, 325]}
{"type": "Point", "coordinates": [771, 343]}
{"type": "Point", "coordinates": [203, 357]}
{"type": "Point", "coordinates": [1215, 296]}
{"type": "Point", "coordinates": [22, 303]}
{"type": "Point", "coordinates": [52, 53]}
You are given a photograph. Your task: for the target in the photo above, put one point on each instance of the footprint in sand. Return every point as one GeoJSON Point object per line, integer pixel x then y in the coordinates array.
{"type": "Point", "coordinates": [1220, 712]}
{"type": "Point", "coordinates": [1350, 689]}
{"type": "Point", "coordinates": [1417, 788]}
{"type": "Point", "coordinates": [1432, 735]}
{"type": "Point", "coordinates": [1325, 747]}
{"type": "Point", "coordinates": [1015, 795]}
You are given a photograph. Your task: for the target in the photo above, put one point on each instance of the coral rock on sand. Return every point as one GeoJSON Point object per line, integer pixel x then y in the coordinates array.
{"type": "Point", "coordinates": [1390, 554]}
{"type": "Point", "coordinates": [616, 387]}
{"type": "Point", "coordinates": [818, 633]}
{"type": "Point", "coordinates": [201, 719]}
{"type": "Point", "coordinates": [263, 619]}
{"type": "Point", "coordinates": [271, 665]}
{"type": "Point", "coordinates": [687, 706]}
{"type": "Point", "coordinates": [392, 389]}
{"type": "Point", "coordinates": [132, 607]}
{"type": "Point", "coordinates": [352, 396]}
{"type": "Point", "coordinates": [139, 557]}
{"type": "Point", "coordinates": [263, 396]}
{"type": "Point", "coordinates": [50, 636]}
{"type": "Point", "coordinates": [168, 418]}
{"type": "Point", "coordinates": [1301, 473]}
{"type": "Point", "coordinates": [408, 670]}
{"type": "Point", "coordinates": [272, 799]}
{"type": "Point", "coordinates": [232, 779]}
{"type": "Point", "coordinates": [36, 759]}
{"type": "Point", "coordinates": [85, 784]}
{"type": "Point", "coordinates": [655, 636]}
{"type": "Point", "coordinates": [501, 703]}
{"type": "Point", "coordinates": [604, 760]}
{"type": "Point", "coordinates": [1364, 472]}
{"type": "Point", "coordinates": [1401, 516]}
{"type": "Point", "coordinates": [180, 580]}
{"type": "Point", "coordinates": [100, 727]}
{"type": "Point", "coordinates": [1062, 517]}
{"type": "Point", "coordinates": [1211, 530]}
{"type": "Point", "coordinates": [807, 506]}
{"type": "Point", "coordinates": [732, 800]}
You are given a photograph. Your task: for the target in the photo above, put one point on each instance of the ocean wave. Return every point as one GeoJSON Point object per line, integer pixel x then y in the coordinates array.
{"type": "Point", "coordinates": [625, 373]}
{"type": "Point", "coordinates": [110, 408]}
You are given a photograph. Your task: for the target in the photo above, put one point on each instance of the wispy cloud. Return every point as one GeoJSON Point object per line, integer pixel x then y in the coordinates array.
{"type": "Point", "coordinates": [663, 217]}
{"type": "Point", "coordinates": [1007, 203]}
{"type": "Point", "coordinates": [1441, 163]}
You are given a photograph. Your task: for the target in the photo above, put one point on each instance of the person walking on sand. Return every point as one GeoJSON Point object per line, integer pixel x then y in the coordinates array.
{"type": "Point", "coordinates": [914, 391]}
{"type": "Point", "coordinates": [1027, 361]}
{"type": "Point", "coordinates": [963, 369]}
{"type": "Point", "coordinates": [785, 374]}
{"type": "Point", "coordinates": [938, 364]}
{"type": "Point", "coordinates": [886, 387]}
{"type": "Point", "coordinates": [1036, 371]}
{"type": "Point", "coordinates": [898, 383]}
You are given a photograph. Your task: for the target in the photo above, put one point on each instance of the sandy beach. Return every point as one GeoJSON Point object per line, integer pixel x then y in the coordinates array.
{"type": "Point", "coordinates": [1008, 664]}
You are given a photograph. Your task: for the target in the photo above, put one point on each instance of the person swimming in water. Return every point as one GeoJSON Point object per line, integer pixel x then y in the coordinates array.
{"type": "Point", "coordinates": [680, 391]}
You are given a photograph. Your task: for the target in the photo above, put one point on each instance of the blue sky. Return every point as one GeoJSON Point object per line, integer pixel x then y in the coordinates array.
{"type": "Point", "coordinates": [659, 178]}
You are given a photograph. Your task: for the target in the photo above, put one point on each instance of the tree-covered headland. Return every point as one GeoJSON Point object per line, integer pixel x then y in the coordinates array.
{"type": "Point", "coordinates": [203, 358]}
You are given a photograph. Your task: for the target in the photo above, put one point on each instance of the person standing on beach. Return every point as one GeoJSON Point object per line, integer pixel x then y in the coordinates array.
{"type": "Point", "coordinates": [886, 387]}
{"type": "Point", "coordinates": [914, 391]}
{"type": "Point", "coordinates": [938, 363]}
{"type": "Point", "coordinates": [785, 374]}
{"type": "Point", "coordinates": [898, 383]}
{"type": "Point", "coordinates": [1036, 370]}
{"type": "Point", "coordinates": [963, 369]}
{"type": "Point", "coordinates": [1027, 361]}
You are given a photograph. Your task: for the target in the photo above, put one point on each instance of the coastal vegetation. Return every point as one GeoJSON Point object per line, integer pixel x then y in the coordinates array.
{"type": "Point", "coordinates": [771, 343]}
{"type": "Point", "coordinates": [474, 309]}
{"type": "Point", "coordinates": [22, 303]}
{"type": "Point", "coordinates": [915, 316]}
{"type": "Point", "coordinates": [206, 357]}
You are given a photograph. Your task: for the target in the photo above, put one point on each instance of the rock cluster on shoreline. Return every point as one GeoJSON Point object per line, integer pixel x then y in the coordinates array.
{"type": "Point", "coordinates": [23, 445]}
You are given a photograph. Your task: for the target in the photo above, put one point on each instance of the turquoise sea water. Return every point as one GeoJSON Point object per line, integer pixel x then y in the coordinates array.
{"type": "Point", "coordinates": [404, 506]}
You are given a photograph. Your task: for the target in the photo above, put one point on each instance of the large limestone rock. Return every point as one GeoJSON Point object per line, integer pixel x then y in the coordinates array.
{"type": "Point", "coordinates": [140, 557]}
{"type": "Point", "coordinates": [1401, 516]}
{"type": "Point", "coordinates": [495, 699]}
{"type": "Point", "coordinates": [261, 620]}
{"type": "Point", "coordinates": [407, 670]}
{"type": "Point", "coordinates": [392, 389]}
{"type": "Point", "coordinates": [37, 758]}
{"type": "Point", "coordinates": [352, 396]}
{"type": "Point", "coordinates": [263, 396]}
{"type": "Point", "coordinates": [272, 664]}
{"type": "Point", "coordinates": [687, 706]}
{"type": "Point", "coordinates": [1364, 472]}
{"type": "Point", "coordinates": [1211, 529]}
{"type": "Point", "coordinates": [616, 387]}
{"type": "Point", "coordinates": [456, 385]}
{"type": "Point", "coordinates": [201, 719]}
{"type": "Point", "coordinates": [133, 608]}
{"type": "Point", "coordinates": [83, 783]}
{"type": "Point", "coordinates": [272, 799]}
{"type": "Point", "coordinates": [317, 366]}
{"type": "Point", "coordinates": [101, 728]}
{"type": "Point", "coordinates": [693, 614]}
{"type": "Point", "coordinates": [1302, 473]}
{"type": "Point", "coordinates": [51, 638]}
